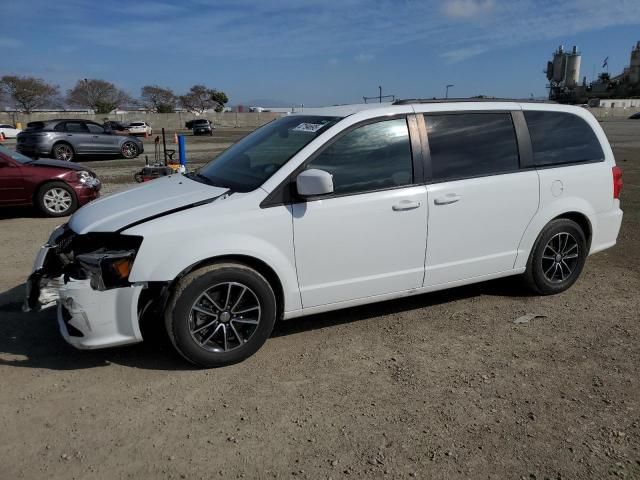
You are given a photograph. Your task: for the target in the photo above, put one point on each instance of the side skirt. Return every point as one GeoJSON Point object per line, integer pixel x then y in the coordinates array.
{"type": "Point", "coordinates": [404, 293]}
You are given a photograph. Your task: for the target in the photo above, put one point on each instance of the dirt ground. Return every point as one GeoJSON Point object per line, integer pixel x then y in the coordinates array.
{"type": "Point", "coordinates": [442, 385]}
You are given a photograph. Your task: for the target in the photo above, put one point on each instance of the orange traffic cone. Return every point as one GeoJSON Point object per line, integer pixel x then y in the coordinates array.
{"type": "Point", "coordinates": [175, 138]}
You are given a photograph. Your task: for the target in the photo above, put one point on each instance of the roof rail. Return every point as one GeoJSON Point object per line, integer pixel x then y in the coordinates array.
{"type": "Point", "coordinates": [408, 101]}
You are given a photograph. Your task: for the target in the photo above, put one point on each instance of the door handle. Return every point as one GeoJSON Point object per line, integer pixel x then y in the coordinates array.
{"type": "Point", "coordinates": [405, 205]}
{"type": "Point", "coordinates": [69, 135]}
{"type": "Point", "coordinates": [95, 136]}
{"type": "Point", "coordinates": [447, 199]}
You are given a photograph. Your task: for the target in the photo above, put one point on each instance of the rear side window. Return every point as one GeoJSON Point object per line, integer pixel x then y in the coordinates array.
{"type": "Point", "coordinates": [559, 137]}
{"type": "Point", "coordinates": [467, 145]}
{"type": "Point", "coordinates": [78, 127]}
{"type": "Point", "coordinates": [93, 128]}
{"type": "Point", "coordinates": [31, 126]}
{"type": "Point", "coordinates": [372, 157]}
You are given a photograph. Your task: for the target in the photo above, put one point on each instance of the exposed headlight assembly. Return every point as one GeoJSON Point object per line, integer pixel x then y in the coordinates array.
{"type": "Point", "coordinates": [87, 179]}
{"type": "Point", "coordinates": [107, 269]}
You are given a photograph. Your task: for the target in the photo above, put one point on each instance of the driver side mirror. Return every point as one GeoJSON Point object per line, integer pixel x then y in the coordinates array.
{"type": "Point", "coordinates": [314, 182]}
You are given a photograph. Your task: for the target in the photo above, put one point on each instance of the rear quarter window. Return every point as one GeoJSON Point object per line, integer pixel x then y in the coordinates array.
{"type": "Point", "coordinates": [31, 126]}
{"type": "Point", "coordinates": [558, 138]}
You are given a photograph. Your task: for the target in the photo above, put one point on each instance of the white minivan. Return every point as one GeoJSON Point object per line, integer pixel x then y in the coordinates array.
{"type": "Point", "coordinates": [353, 205]}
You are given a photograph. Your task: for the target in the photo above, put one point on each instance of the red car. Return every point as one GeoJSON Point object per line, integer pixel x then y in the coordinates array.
{"type": "Point", "coordinates": [55, 187]}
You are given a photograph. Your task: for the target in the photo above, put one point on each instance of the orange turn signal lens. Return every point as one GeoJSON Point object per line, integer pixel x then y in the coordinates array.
{"type": "Point", "coordinates": [122, 267]}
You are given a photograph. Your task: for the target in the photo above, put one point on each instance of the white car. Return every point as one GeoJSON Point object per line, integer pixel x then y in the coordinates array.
{"type": "Point", "coordinates": [9, 131]}
{"type": "Point", "coordinates": [140, 128]}
{"type": "Point", "coordinates": [312, 213]}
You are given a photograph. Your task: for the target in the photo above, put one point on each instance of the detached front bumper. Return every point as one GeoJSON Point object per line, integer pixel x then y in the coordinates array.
{"type": "Point", "coordinates": [91, 319]}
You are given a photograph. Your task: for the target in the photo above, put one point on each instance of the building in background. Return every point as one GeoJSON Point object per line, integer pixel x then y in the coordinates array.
{"type": "Point", "coordinates": [563, 73]}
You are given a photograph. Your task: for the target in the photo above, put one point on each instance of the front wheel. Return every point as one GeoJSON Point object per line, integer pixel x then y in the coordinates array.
{"type": "Point", "coordinates": [557, 258]}
{"type": "Point", "coordinates": [221, 314]}
{"type": "Point", "coordinates": [56, 199]}
{"type": "Point", "coordinates": [129, 150]}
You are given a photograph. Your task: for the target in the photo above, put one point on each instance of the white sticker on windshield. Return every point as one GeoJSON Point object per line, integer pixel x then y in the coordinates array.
{"type": "Point", "coordinates": [308, 127]}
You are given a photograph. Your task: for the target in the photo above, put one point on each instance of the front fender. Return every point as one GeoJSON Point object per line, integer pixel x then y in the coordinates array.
{"type": "Point", "coordinates": [174, 243]}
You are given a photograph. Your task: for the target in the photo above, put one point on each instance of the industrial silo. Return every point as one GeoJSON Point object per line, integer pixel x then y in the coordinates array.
{"type": "Point", "coordinates": [559, 65]}
{"type": "Point", "coordinates": [572, 76]}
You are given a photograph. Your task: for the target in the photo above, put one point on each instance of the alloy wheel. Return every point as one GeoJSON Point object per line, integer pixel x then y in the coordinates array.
{"type": "Point", "coordinates": [57, 200]}
{"type": "Point", "coordinates": [560, 257]}
{"type": "Point", "coordinates": [224, 317]}
{"type": "Point", "coordinates": [64, 152]}
{"type": "Point", "coordinates": [129, 150]}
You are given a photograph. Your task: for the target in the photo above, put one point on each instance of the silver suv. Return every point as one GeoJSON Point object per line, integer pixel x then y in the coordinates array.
{"type": "Point", "coordinates": [65, 139]}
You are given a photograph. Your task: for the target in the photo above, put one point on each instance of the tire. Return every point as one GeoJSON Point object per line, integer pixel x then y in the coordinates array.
{"type": "Point", "coordinates": [212, 319]}
{"type": "Point", "coordinates": [129, 149]}
{"type": "Point", "coordinates": [63, 151]}
{"type": "Point", "coordinates": [557, 257]}
{"type": "Point", "coordinates": [56, 199]}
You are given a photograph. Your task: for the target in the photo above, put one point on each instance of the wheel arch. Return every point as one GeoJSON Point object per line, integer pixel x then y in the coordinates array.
{"type": "Point", "coordinates": [573, 208]}
{"type": "Point", "coordinates": [38, 186]}
{"type": "Point", "coordinates": [258, 265]}
{"type": "Point", "coordinates": [582, 220]}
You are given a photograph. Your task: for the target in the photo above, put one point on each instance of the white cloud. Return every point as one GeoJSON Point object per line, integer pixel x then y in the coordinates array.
{"type": "Point", "coordinates": [364, 57]}
{"type": "Point", "coordinates": [10, 43]}
{"type": "Point", "coordinates": [467, 9]}
{"type": "Point", "coordinates": [324, 29]}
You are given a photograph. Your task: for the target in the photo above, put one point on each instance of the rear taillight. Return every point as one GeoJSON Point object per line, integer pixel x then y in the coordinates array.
{"type": "Point", "coordinates": [617, 181]}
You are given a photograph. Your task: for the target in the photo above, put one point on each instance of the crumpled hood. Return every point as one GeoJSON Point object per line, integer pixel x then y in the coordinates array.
{"type": "Point", "coordinates": [151, 199]}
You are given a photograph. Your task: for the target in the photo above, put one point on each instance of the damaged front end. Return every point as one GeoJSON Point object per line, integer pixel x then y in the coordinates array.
{"type": "Point", "coordinates": [88, 277]}
{"type": "Point", "coordinates": [104, 259]}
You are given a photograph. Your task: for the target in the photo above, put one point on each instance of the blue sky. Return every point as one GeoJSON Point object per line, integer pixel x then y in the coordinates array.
{"type": "Point", "coordinates": [314, 52]}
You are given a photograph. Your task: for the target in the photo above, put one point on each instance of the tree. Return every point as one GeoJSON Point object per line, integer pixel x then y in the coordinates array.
{"type": "Point", "coordinates": [28, 93]}
{"type": "Point", "coordinates": [99, 95]}
{"type": "Point", "coordinates": [161, 100]}
{"type": "Point", "coordinates": [200, 98]}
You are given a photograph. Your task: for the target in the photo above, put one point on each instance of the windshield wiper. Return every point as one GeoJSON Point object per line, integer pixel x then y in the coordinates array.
{"type": "Point", "coordinates": [200, 177]}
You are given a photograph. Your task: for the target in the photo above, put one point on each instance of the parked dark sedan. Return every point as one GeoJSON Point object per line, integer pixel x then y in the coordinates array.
{"type": "Point", "coordinates": [65, 139]}
{"type": "Point", "coordinates": [55, 187]}
{"type": "Point", "coordinates": [635, 116]}
{"type": "Point", "coordinates": [200, 126]}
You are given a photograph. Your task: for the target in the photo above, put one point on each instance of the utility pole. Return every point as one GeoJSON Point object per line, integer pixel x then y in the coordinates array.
{"type": "Point", "coordinates": [380, 89]}
{"type": "Point", "coordinates": [446, 93]}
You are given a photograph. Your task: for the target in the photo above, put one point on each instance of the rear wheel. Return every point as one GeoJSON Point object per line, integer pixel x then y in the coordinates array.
{"type": "Point", "coordinates": [557, 258]}
{"type": "Point", "coordinates": [63, 151]}
{"type": "Point", "coordinates": [221, 314]}
{"type": "Point", "coordinates": [56, 199]}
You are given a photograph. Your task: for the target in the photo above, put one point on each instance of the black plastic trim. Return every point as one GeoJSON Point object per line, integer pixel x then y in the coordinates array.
{"type": "Point", "coordinates": [567, 164]}
{"type": "Point", "coordinates": [284, 194]}
{"type": "Point", "coordinates": [524, 140]}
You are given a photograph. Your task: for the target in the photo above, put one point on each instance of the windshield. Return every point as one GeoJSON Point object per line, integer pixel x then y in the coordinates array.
{"type": "Point", "coordinates": [245, 166]}
{"type": "Point", "coordinates": [18, 157]}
